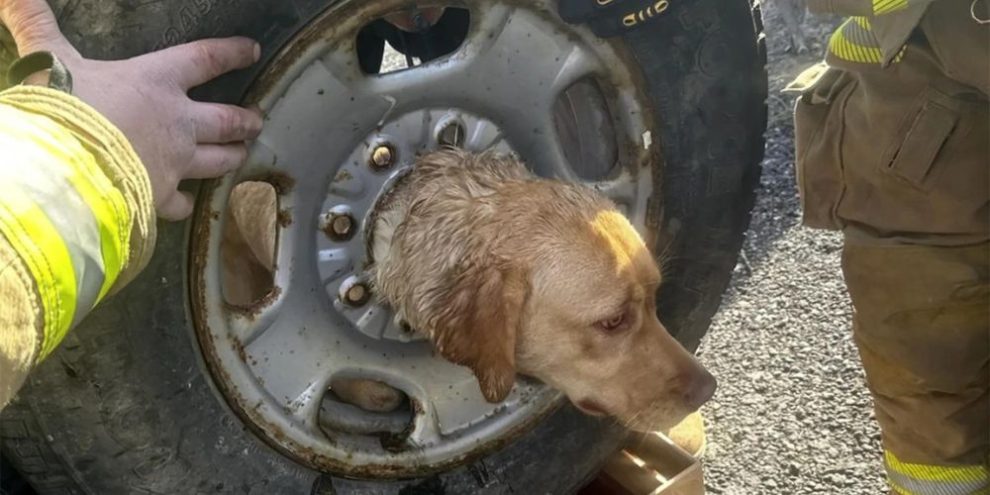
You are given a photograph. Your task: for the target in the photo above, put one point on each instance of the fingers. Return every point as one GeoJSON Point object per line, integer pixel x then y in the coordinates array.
{"type": "Point", "coordinates": [209, 161]}
{"type": "Point", "coordinates": [33, 27]}
{"type": "Point", "coordinates": [216, 123]}
{"type": "Point", "coordinates": [219, 131]}
{"type": "Point", "coordinates": [201, 61]}
{"type": "Point", "coordinates": [177, 207]}
{"type": "Point", "coordinates": [214, 160]}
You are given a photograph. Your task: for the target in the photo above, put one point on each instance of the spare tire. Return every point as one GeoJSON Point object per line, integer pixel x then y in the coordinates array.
{"type": "Point", "coordinates": [129, 405]}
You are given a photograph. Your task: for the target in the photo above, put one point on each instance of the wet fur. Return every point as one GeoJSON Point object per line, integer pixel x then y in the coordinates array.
{"type": "Point", "coordinates": [471, 250]}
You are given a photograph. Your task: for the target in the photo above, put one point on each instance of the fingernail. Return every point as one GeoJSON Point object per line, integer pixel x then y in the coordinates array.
{"type": "Point", "coordinates": [254, 107]}
{"type": "Point", "coordinates": [257, 52]}
{"type": "Point", "coordinates": [256, 124]}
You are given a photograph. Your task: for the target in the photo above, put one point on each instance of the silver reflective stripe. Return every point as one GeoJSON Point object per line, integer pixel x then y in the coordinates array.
{"type": "Point", "coordinates": [922, 487]}
{"type": "Point", "coordinates": [54, 194]}
{"type": "Point", "coordinates": [916, 486]}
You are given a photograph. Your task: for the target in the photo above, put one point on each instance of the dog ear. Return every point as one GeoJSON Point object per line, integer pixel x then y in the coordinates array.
{"type": "Point", "coordinates": [482, 320]}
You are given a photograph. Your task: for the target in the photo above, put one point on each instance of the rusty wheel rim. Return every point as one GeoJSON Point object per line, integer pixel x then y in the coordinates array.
{"type": "Point", "coordinates": [335, 139]}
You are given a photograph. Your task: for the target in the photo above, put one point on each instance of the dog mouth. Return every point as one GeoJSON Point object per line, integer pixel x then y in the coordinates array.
{"type": "Point", "coordinates": [591, 408]}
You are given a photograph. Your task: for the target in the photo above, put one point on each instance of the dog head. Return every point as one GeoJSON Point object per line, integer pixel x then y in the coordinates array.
{"type": "Point", "coordinates": [591, 329]}
{"type": "Point", "coordinates": [565, 292]}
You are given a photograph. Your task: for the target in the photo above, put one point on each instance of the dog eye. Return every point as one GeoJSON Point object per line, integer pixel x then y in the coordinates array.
{"type": "Point", "coordinates": [614, 323]}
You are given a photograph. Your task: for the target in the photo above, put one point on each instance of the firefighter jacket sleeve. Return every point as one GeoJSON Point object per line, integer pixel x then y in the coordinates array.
{"type": "Point", "coordinates": [76, 222]}
{"type": "Point", "coordinates": [875, 32]}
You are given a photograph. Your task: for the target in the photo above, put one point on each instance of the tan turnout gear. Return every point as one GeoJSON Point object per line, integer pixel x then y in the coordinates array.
{"type": "Point", "coordinates": [893, 148]}
{"type": "Point", "coordinates": [76, 222]}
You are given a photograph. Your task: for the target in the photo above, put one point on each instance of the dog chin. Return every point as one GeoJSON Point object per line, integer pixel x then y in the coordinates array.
{"type": "Point", "coordinates": [663, 422]}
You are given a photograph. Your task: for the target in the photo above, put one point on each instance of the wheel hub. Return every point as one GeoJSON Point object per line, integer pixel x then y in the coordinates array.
{"type": "Point", "coordinates": [366, 175]}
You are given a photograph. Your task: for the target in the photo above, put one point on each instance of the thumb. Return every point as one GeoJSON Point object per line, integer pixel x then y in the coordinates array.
{"type": "Point", "coordinates": [34, 28]}
{"type": "Point", "coordinates": [177, 206]}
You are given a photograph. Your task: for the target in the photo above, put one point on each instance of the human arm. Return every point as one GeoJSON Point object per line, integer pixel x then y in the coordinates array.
{"type": "Point", "coordinates": [82, 176]}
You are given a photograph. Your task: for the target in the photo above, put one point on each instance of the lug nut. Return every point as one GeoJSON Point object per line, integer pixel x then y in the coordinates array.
{"type": "Point", "coordinates": [342, 225]}
{"type": "Point", "coordinates": [382, 157]}
{"type": "Point", "coordinates": [339, 226]}
{"type": "Point", "coordinates": [357, 294]}
{"type": "Point", "coordinates": [452, 134]}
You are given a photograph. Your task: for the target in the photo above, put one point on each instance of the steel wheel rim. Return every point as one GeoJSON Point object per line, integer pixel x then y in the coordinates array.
{"type": "Point", "coordinates": [257, 357]}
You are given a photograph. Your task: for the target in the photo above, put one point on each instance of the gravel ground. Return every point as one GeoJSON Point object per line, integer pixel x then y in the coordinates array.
{"type": "Point", "coordinates": [792, 414]}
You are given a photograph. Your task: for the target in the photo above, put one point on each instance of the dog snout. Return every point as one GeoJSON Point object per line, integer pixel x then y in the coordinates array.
{"type": "Point", "coordinates": [697, 388]}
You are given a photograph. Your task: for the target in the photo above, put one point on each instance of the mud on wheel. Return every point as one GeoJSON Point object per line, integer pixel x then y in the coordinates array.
{"type": "Point", "coordinates": [175, 386]}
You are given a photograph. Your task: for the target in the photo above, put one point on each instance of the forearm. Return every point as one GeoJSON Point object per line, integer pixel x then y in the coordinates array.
{"type": "Point", "coordinates": [76, 219]}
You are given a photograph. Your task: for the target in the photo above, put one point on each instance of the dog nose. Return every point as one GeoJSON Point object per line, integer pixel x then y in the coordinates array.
{"type": "Point", "coordinates": [699, 387]}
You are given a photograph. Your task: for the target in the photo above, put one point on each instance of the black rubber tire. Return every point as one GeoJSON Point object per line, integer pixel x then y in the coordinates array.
{"type": "Point", "coordinates": [126, 406]}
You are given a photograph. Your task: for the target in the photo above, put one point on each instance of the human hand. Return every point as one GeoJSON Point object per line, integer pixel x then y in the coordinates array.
{"type": "Point", "coordinates": [608, 18]}
{"type": "Point", "coordinates": [146, 98]}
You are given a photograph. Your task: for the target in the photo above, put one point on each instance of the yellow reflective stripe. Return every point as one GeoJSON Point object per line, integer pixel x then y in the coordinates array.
{"type": "Point", "coordinates": [843, 43]}
{"type": "Point", "coordinates": [39, 244]}
{"type": "Point", "coordinates": [110, 209]}
{"type": "Point", "coordinates": [900, 54]}
{"type": "Point", "coordinates": [927, 472]}
{"type": "Point", "coordinates": [63, 216]}
{"type": "Point", "coordinates": [886, 6]}
{"type": "Point", "coordinates": [81, 124]}
{"type": "Point", "coordinates": [59, 164]}
{"type": "Point", "coordinates": [900, 490]}
{"type": "Point", "coordinates": [106, 202]}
